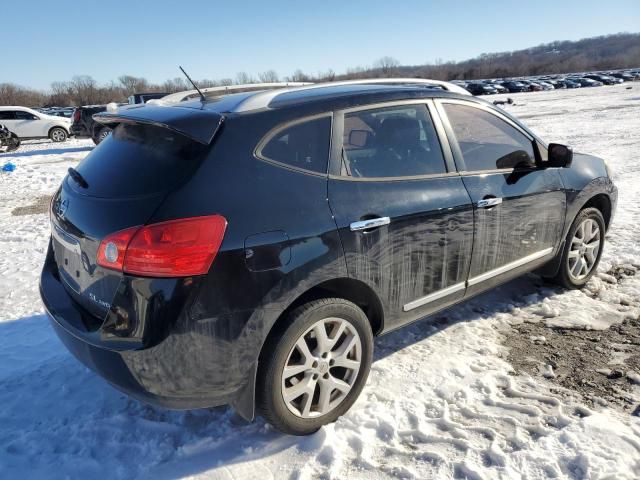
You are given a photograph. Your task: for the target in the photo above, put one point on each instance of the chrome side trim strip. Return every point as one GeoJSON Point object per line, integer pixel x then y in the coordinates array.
{"type": "Point", "coordinates": [475, 280]}
{"type": "Point", "coordinates": [509, 266]}
{"type": "Point", "coordinates": [434, 296]}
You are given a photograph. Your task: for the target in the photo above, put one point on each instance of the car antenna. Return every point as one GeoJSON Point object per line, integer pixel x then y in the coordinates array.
{"type": "Point", "coordinates": [202, 98]}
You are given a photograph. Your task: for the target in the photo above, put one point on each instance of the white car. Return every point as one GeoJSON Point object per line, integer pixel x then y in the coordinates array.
{"type": "Point", "coordinates": [27, 124]}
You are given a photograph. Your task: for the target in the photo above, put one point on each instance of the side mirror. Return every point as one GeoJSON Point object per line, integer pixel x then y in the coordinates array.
{"type": "Point", "coordinates": [516, 159]}
{"type": "Point", "coordinates": [359, 138]}
{"type": "Point", "coordinates": [560, 155]}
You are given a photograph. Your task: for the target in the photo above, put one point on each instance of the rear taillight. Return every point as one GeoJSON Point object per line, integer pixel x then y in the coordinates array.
{"type": "Point", "coordinates": [178, 248]}
{"type": "Point", "coordinates": [76, 115]}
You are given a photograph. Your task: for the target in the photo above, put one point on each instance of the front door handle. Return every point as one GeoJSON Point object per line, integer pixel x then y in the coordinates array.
{"type": "Point", "coordinates": [488, 202]}
{"type": "Point", "coordinates": [369, 224]}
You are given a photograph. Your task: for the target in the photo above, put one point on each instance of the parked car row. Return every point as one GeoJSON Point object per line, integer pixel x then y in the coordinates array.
{"type": "Point", "coordinates": [57, 111]}
{"type": "Point", "coordinates": [548, 82]}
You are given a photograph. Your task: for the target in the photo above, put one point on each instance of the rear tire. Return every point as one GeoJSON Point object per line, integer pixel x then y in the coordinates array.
{"type": "Point", "coordinates": [582, 249]}
{"type": "Point", "coordinates": [58, 134]}
{"type": "Point", "coordinates": [321, 384]}
{"type": "Point", "coordinates": [102, 134]}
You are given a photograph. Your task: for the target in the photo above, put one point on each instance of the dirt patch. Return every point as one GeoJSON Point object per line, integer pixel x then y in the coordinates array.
{"type": "Point", "coordinates": [602, 366]}
{"type": "Point", "coordinates": [41, 205]}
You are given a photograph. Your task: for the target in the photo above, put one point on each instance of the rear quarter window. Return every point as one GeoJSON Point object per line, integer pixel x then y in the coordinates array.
{"type": "Point", "coordinates": [303, 145]}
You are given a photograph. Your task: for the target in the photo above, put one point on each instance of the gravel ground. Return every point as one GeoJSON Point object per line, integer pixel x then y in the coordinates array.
{"type": "Point", "coordinates": [601, 366]}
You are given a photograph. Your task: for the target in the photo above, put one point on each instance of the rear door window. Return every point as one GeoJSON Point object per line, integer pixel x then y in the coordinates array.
{"type": "Point", "coordinates": [303, 145]}
{"type": "Point", "coordinates": [7, 115]}
{"type": "Point", "coordinates": [139, 160]}
{"type": "Point", "coordinates": [391, 142]}
{"type": "Point", "coordinates": [21, 115]}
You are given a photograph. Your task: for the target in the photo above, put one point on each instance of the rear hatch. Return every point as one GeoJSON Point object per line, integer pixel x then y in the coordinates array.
{"type": "Point", "coordinates": [120, 184]}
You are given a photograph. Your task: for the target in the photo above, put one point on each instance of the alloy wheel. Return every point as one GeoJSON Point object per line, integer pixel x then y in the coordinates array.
{"type": "Point", "coordinates": [58, 135]}
{"type": "Point", "coordinates": [104, 134]}
{"type": "Point", "coordinates": [321, 368]}
{"type": "Point", "coordinates": [584, 249]}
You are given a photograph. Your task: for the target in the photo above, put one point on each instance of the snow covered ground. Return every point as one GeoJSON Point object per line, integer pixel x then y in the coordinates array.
{"type": "Point", "coordinates": [441, 402]}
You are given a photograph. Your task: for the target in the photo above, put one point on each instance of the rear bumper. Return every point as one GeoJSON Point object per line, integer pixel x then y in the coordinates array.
{"type": "Point", "coordinates": [185, 368]}
{"type": "Point", "coordinates": [79, 132]}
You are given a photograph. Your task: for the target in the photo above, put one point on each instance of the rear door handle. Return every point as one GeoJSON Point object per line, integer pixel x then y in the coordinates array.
{"type": "Point", "coordinates": [369, 224]}
{"type": "Point", "coordinates": [488, 202]}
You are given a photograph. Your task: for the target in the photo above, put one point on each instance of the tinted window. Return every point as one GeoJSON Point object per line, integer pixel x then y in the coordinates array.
{"type": "Point", "coordinates": [303, 145]}
{"type": "Point", "coordinates": [138, 160]}
{"type": "Point", "coordinates": [20, 115]}
{"type": "Point", "coordinates": [486, 141]}
{"type": "Point", "coordinates": [7, 115]}
{"type": "Point", "coordinates": [391, 142]}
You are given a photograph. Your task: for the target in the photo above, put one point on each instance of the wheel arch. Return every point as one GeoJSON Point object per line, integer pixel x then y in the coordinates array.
{"type": "Point", "coordinates": [602, 202]}
{"type": "Point", "coordinates": [67, 130]}
{"type": "Point", "coordinates": [345, 288]}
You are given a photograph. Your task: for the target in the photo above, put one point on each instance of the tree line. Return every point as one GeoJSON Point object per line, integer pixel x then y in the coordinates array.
{"type": "Point", "coordinates": [596, 53]}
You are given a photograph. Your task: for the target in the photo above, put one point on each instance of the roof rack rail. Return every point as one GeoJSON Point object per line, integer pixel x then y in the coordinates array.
{"type": "Point", "coordinates": [451, 87]}
{"type": "Point", "coordinates": [227, 89]}
{"type": "Point", "coordinates": [262, 99]}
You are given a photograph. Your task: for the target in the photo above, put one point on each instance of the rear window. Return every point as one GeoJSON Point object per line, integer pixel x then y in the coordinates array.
{"type": "Point", "coordinates": [139, 160]}
{"type": "Point", "coordinates": [303, 145]}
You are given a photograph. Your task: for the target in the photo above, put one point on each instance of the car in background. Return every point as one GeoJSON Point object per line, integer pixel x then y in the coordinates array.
{"type": "Point", "coordinates": [138, 98]}
{"type": "Point", "coordinates": [588, 82]}
{"type": "Point", "coordinates": [498, 86]}
{"type": "Point", "coordinates": [481, 89]}
{"type": "Point", "coordinates": [84, 126]}
{"type": "Point", "coordinates": [30, 124]}
{"type": "Point", "coordinates": [570, 83]}
{"type": "Point", "coordinates": [514, 86]}
{"type": "Point", "coordinates": [460, 83]}
{"type": "Point", "coordinates": [557, 84]}
{"type": "Point", "coordinates": [545, 85]}
{"type": "Point", "coordinates": [531, 86]}
{"type": "Point", "coordinates": [604, 79]}
{"type": "Point", "coordinates": [66, 112]}
{"type": "Point", "coordinates": [624, 76]}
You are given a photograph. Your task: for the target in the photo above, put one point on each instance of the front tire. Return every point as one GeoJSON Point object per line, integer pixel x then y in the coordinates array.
{"type": "Point", "coordinates": [58, 134]}
{"type": "Point", "coordinates": [582, 250]}
{"type": "Point", "coordinates": [314, 369]}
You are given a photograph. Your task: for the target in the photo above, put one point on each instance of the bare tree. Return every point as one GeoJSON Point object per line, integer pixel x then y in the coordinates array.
{"type": "Point", "coordinates": [386, 65]}
{"type": "Point", "coordinates": [270, 76]}
{"type": "Point", "coordinates": [131, 84]}
{"type": "Point", "coordinates": [328, 76]}
{"type": "Point", "coordinates": [300, 76]}
{"type": "Point", "coordinates": [243, 78]}
{"type": "Point", "coordinates": [597, 53]}
{"type": "Point", "coordinates": [177, 84]}
{"type": "Point", "coordinates": [11, 94]}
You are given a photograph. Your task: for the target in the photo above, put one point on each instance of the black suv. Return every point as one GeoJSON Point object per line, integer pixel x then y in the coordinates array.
{"type": "Point", "coordinates": [84, 126]}
{"type": "Point", "coordinates": [246, 249]}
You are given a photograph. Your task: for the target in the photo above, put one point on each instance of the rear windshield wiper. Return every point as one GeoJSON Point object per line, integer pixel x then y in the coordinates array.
{"type": "Point", "coordinates": [79, 179]}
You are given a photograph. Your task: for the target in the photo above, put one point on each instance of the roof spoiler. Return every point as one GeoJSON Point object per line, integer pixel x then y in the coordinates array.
{"type": "Point", "coordinates": [198, 125]}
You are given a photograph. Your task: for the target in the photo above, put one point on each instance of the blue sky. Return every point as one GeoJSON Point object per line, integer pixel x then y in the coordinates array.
{"type": "Point", "coordinates": [42, 43]}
